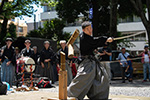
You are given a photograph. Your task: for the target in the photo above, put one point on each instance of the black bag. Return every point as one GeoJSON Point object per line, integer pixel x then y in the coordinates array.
{"type": "Point", "coordinates": [44, 82]}
{"type": "Point", "coordinates": [3, 89]}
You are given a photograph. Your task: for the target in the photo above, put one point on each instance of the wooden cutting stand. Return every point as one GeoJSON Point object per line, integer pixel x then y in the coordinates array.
{"type": "Point", "coordinates": [62, 80]}
{"type": "Point", "coordinates": [63, 72]}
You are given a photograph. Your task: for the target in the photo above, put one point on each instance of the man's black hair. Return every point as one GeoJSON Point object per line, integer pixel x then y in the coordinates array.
{"type": "Point", "coordinates": [85, 24]}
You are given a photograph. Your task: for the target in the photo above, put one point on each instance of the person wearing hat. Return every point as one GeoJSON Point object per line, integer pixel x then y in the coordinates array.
{"type": "Point", "coordinates": [46, 57]}
{"type": "Point", "coordinates": [146, 62]}
{"type": "Point", "coordinates": [7, 62]}
{"type": "Point", "coordinates": [64, 49]}
{"type": "Point", "coordinates": [105, 53]}
{"type": "Point", "coordinates": [17, 56]}
{"type": "Point", "coordinates": [27, 51]}
{"type": "Point", "coordinates": [122, 57]}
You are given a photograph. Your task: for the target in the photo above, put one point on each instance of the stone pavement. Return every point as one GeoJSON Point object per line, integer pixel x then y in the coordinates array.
{"type": "Point", "coordinates": [43, 94]}
{"type": "Point", "coordinates": [118, 91]}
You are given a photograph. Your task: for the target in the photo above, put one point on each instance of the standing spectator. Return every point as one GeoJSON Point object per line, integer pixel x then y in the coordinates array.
{"type": "Point", "coordinates": [27, 51]}
{"type": "Point", "coordinates": [55, 64]}
{"type": "Point", "coordinates": [17, 56]}
{"type": "Point", "coordinates": [45, 59]}
{"type": "Point", "coordinates": [145, 60]}
{"type": "Point", "coordinates": [36, 55]}
{"type": "Point", "coordinates": [105, 54]}
{"type": "Point", "coordinates": [129, 69]}
{"type": "Point", "coordinates": [68, 61]}
{"type": "Point", "coordinates": [8, 62]}
{"type": "Point", "coordinates": [123, 62]}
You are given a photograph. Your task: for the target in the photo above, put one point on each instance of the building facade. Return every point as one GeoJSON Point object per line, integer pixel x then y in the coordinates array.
{"type": "Point", "coordinates": [21, 28]}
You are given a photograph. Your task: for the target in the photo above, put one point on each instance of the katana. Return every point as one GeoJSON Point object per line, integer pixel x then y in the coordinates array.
{"type": "Point", "coordinates": [124, 37]}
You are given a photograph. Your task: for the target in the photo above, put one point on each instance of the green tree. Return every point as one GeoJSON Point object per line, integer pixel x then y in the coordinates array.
{"type": "Point", "coordinates": [101, 12]}
{"type": "Point", "coordinates": [12, 30]}
{"type": "Point", "coordinates": [36, 33]}
{"type": "Point", "coordinates": [52, 29]}
{"type": "Point", "coordinates": [105, 14]}
{"type": "Point", "coordinates": [17, 8]}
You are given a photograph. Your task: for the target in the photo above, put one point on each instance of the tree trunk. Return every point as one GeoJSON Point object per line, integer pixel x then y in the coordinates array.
{"type": "Point", "coordinates": [148, 8]}
{"type": "Point", "coordinates": [113, 21]}
{"type": "Point", "coordinates": [95, 17]}
{"type": "Point", "coordinates": [1, 6]}
{"type": "Point", "coordinates": [146, 21]}
{"type": "Point", "coordinates": [148, 34]}
{"type": "Point", "coordinates": [3, 30]}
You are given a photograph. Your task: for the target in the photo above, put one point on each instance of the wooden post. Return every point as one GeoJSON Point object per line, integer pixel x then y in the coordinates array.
{"type": "Point", "coordinates": [63, 78]}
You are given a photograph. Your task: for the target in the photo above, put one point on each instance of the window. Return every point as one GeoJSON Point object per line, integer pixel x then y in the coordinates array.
{"type": "Point", "coordinates": [77, 22]}
{"type": "Point", "coordinates": [137, 19]}
{"type": "Point", "coordinates": [48, 9]}
{"type": "Point", "coordinates": [130, 19]}
{"type": "Point", "coordinates": [20, 29]}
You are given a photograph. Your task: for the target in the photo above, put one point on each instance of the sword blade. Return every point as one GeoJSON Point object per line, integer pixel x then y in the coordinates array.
{"type": "Point", "coordinates": [124, 37]}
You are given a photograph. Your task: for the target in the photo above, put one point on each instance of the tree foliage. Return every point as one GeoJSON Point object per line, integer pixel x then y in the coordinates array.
{"type": "Point", "coordinates": [36, 33]}
{"type": "Point", "coordinates": [12, 30]}
{"type": "Point", "coordinates": [53, 29]}
{"type": "Point", "coordinates": [16, 8]}
{"type": "Point", "coordinates": [70, 9]}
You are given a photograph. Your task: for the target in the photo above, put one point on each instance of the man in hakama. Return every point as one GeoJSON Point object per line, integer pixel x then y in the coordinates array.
{"type": "Point", "coordinates": [45, 60]}
{"type": "Point", "coordinates": [91, 79]}
{"type": "Point", "coordinates": [8, 62]}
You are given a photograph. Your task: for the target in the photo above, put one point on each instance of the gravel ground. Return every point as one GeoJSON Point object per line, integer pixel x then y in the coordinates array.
{"type": "Point", "coordinates": [118, 91]}
{"type": "Point", "coordinates": [137, 88]}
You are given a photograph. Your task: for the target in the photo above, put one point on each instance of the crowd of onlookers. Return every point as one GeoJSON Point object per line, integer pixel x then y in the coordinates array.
{"type": "Point", "coordinates": [125, 60]}
{"type": "Point", "coordinates": [47, 62]}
